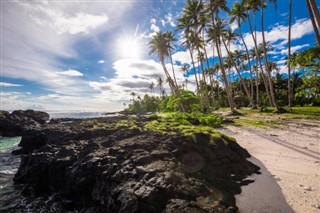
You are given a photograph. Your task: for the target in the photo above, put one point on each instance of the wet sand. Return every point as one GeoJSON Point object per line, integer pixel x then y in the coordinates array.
{"type": "Point", "coordinates": [289, 158]}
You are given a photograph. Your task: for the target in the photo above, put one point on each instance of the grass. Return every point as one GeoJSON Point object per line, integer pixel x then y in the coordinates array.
{"type": "Point", "coordinates": [188, 124]}
{"type": "Point", "coordinates": [267, 118]}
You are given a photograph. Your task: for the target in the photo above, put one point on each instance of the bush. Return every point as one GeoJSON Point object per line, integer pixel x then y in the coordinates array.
{"type": "Point", "coordinates": [197, 118]}
{"type": "Point", "coordinates": [210, 120]}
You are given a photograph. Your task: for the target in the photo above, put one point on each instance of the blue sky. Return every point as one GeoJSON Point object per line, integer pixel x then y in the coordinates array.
{"type": "Point", "coordinates": [90, 55]}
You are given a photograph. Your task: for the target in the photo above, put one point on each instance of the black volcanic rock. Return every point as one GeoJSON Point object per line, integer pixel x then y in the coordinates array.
{"type": "Point", "coordinates": [127, 170]}
{"type": "Point", "coordinates": [15, 123]}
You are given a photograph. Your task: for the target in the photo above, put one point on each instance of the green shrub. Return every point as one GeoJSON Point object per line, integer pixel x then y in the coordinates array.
{"type": "Point", "coordinates": [153, 117]}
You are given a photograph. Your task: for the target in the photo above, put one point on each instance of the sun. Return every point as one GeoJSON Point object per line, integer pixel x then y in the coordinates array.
{"type": "Point", "coordinates": [129, 48]}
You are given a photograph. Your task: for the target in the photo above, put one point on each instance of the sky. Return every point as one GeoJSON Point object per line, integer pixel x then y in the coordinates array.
{"type": "Point", "coordinates": [90, 55]}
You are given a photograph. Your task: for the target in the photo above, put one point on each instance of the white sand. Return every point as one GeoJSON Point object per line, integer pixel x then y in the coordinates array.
{"type": "Point", "coordinates": [290, 162]}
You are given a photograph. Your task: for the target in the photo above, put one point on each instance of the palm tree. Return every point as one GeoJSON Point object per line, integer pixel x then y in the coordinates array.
{"type": "Point", "coordinates": [159, 46]}
{"type": "Point", "coordinates": [238, 13]}
{"type": "Point", "coordinates": [186, 81]}
{"type": "Point", "coordinates": [312, 8]}
{"type": "Point", "coordinates": [184, 69]}
{"type": "Point", "coordinates": [160, 84]}
{"type": "Point", "coordinates": [171, 39]}
{"type": "Point", "coordinates": [195, 18]}
{"type": "Point", "coordinates": [230, 36]}
{"type": "Point", "coordinates": [271, 88]}
{"type": "Point", "coordinates": [254, 6]}
{"type": "Point", "coordinates": [289, 55]}
{"type": "Point", "coordinates": [133, 94]}
{"type": "Point", "coordinates": [151, 87]}
{"type": "Point", "coordinates": [214, 34]}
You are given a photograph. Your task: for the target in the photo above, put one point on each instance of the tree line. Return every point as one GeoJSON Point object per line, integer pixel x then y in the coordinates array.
{"type": "Point", "coordinates": [202, 28]}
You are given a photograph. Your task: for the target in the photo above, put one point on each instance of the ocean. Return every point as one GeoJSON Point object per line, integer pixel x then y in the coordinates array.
{"type": "Point", "coordinates": [8, 167]}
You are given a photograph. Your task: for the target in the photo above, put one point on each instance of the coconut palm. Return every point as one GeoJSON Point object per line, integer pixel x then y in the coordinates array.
{"type": "Point", "coordinates": [253, 5]}
{"type": "Point", "coordinates": [238, 13]}
{"type": "Point", "coordinates": [171, 39]}
{"type": "Point", "coordinates": [186, 81]}
{"type": "Point", "coordinates": [230, 36]}
{"type": "Point", "coordinates": [289, 55]}
{"type": "Point", "coordinates": [133, 94]}
{"type": "Point", "coordinates": [160, 47]}
{"type": "Point", "coordinates": [313, 12]}
{"type": "Point", "coordinates": [151, 87]}
{"type": "Point", "coordinates": [214, 33]}
{"type": "Point", "coordinates": [160, 84]}
{"type": "Point", "coordinates": [263, 5]}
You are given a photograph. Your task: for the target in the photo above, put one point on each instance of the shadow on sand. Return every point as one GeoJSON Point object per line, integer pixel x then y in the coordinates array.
{"type": "Point", "coordinates": [263, 195]}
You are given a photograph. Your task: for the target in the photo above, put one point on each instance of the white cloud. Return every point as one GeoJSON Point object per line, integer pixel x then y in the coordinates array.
{"type": "Point", "coordinates": [70, 73]}
{"type": "Point", "coordinates": [34, 51]}
{"type": "Point", "coordinates": [62, 22]}
{"type": "Point", "coordinates": [278, 33]}
{"type": "Point", "coordinates": [170, 19]}
{"type": "Point", "coordinates": [4, 84]}
{"type": "Point", "coordinates": [153, 21]}
{"type": "Point", "coordinates": [101, 62]}
{"type": "Point", "coordinates": [182, 56]}
{"type": "Point", "coordinates": [234, 26]}
{"type": "Point", "coordinates": [163, 22]}
{"type": "Point", "coordinates": [293, 49]}
{"type": "Point", "coordinates": [154, 28]}
{"type": "Point", "coordinates": [130, 75]}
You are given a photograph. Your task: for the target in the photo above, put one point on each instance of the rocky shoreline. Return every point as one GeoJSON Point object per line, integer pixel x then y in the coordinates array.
{"type": "Point", "coordinates": [85, 168]}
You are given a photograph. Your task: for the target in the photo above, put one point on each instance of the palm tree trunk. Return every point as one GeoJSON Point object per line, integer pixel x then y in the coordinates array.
{"type": "Point", "coordinates": [171, 84]}
{"type": "Point", "coordinates": [230, 101]}
{"type": "Point", "coordinates": [259, 61]}
{"type": "Point", "coordinates": [248, 57]}
{"type": "Point", "coordinates": [194, 69]}
{"type": "Point", "coordinates": [289, 56]}
{"type": "Point", "coordinates": [257, 87]}
{"type": "Point", "coordinates": [275, 104]}
{"type": "Point", "coordinates": [315, 11]}
{"type": "Point", "coordinates": [174, 75]}
{"type": "Point", "coordinates": [314, 25]}
{"type": "Point", "coordinates": [238, 71]}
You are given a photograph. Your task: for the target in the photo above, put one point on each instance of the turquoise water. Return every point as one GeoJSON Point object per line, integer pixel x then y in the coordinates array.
{"type": "Point", "coordinates": [9, 197]}
{"type": "Point", "coordinates": [7, 144]}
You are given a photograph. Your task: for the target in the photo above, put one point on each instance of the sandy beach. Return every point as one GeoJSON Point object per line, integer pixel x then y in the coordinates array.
{"type": "Point", "coordinates": [289, 157]}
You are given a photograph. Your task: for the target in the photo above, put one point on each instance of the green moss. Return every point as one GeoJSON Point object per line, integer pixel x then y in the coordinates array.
{"type": "Point", "coordinates": [153, 117]}
{"type": "Point", "coordinates": [169, 124]}
{"type": "Point", "coordinates": [260, 123]}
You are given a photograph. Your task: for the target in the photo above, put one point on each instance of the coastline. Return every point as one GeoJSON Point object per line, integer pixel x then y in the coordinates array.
{"type": "Point", "coordinates": [290, 158]}
{"type": "Point", "coordinates": [150, 165]}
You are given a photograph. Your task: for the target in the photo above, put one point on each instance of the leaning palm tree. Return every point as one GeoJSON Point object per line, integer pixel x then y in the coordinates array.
{"type": "Point", "coordinates": [238, 13]}
{"type": "Point", "coordinates": [171, 39]}
{"type": "Point", "coordinates": [263, 5]}
{"type": "Point", "coordinates": [253, 5]}
{"type": "Point", "coordinates": [159, 46]}
{"type": "Point", "coordinates": [184, 24]}
{"type": "Point", "coordinates": [289, 55]}
{"type": "Point", "coordinates": [313, 12]}
{"type": "Point", "coordinates": [214, 33]}
{"type": "Point", "coordinates": [229, 36]}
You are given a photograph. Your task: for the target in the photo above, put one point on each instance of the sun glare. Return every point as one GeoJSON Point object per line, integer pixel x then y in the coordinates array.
{"type": "Point", "coordinates": [129, 49]}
